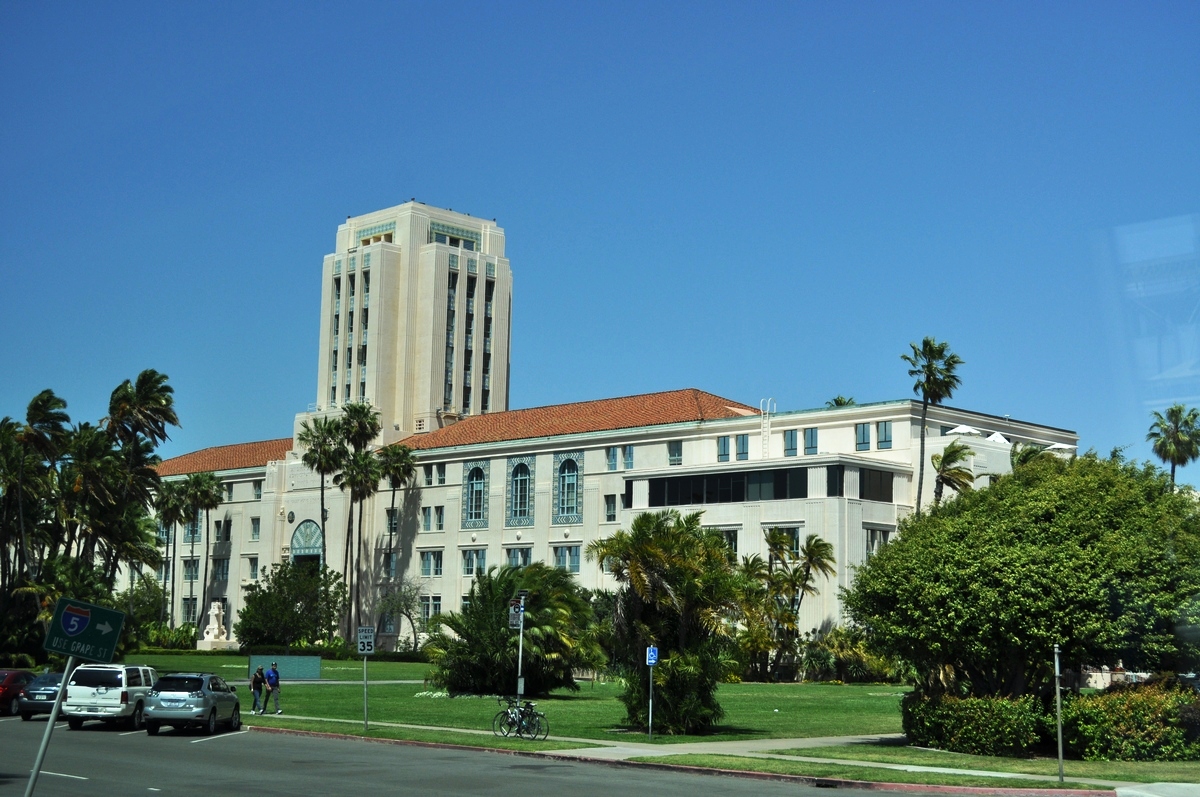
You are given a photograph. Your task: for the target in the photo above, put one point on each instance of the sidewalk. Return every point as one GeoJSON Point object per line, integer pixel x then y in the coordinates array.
{"type": "Point", "coordinates": [625, 749]}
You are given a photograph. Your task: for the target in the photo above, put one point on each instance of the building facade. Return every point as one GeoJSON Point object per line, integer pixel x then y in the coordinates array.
{"type": "Point", "coordinates": [509, 487]}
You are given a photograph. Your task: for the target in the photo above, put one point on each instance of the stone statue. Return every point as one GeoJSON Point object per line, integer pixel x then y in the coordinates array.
{"type": "Point", "coordinates": [216, 622]}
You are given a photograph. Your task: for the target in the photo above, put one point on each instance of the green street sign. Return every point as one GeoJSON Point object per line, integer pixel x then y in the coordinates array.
{"type": "Point", "coordinates": [84, 631]}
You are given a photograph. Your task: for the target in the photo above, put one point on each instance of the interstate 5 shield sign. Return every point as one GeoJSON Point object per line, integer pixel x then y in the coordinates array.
{"type": "Point", "coordinates": [84, 631]}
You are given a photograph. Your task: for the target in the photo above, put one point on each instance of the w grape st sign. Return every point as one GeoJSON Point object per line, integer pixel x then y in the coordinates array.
{"type": "Point", "coordinates": [84, 631]}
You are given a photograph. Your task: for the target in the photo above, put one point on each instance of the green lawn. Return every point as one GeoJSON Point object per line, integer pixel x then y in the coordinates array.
{"type": "Point", "coordinates": [233, 668]}
{"type": "Point", "coordinates": [851, 773]}
{"type": "Point", "coordinates": [409, 734]}
{"type": "Point", "coordinates": [1131, 771]}
{"type": "Point", "coordinates": [595, 712]}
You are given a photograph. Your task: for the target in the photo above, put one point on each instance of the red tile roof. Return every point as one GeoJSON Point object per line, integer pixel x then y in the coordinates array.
{"type": "Point", "coordinates": [649, 409]}
{"type": "Point", "coordinates": [239, 455]}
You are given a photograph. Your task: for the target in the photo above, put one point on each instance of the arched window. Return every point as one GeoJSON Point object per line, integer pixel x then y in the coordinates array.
{"type": "Point", "coordinates": [475, 494]}
{"type": "Point", "coordinates": [568, 488]}
{"type": "Point", "coordinates": [520, 491]}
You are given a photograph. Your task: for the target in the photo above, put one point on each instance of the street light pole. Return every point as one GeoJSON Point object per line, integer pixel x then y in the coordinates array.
{"type": "Point", "coordinates": [1058, 712]}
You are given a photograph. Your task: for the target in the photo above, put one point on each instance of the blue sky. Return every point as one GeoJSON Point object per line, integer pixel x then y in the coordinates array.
{"type": "Point", "coordinates": [754, 199]}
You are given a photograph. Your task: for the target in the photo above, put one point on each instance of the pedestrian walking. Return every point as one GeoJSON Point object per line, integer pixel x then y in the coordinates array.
{"type": "Point", "coordinates": [257, 682]}
{"type": "Point", "coordinates": [272, 688]}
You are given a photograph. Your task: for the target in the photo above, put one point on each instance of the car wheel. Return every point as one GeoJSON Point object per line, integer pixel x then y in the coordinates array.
{"type": "Point", "coordinates": [210, 726]}
{"type": "Point", "coordinates": [152, 728]}
{"type": "Point", "coordinates": [135, 720]}
{"type": "Point", "coordinates": [235, 719]}
{"type": "Point", "coordinates": [13, 708]}
{"type": "Point", "coordinates": [74, 723]}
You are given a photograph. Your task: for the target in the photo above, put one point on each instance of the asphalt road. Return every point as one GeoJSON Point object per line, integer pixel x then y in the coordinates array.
{"type": "Point", "coordinates": [100, 761]}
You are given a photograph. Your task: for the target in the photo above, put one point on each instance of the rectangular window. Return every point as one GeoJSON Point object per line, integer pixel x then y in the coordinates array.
{"type": "Point", "coordinates": [876, 539]}
{"type": "Point", "coordinates": [189, 610]}
{"type": "Point", "coordinates": [810, 441]}
{"type": "Point", "coordinates": [389, 565]}
{"type": "Point", "coordinates": [228, 491]}
{"type": "Point", "coordinates": [431, 605]}
{"type": "Point", "coordinates": [835, 479]}
{"type": "Point", "coordinates": [191, 569]}
{"type": "Point", "coordinates": [427, 518]}
{"type": "Point", "coordinates": [789, 443]}
{"type": "Point", "coordinates": [675, 452]}
{"type": "Point", "coordinates": [627, 496]}
{"type": "Point", "coordinates": [465, 604]}
{"type": "Point", "coordinates": [439, 518]}
{"type": "Point", "coordinates": [610, 456]}
{"type": "Point", "coordinates": [875, 485]}
{"type": "Point", "coordinates": [519, 557]}
{"type": "Point", "coordinates": [628, 457]}
{"type": "Point", "coordinates": [428, 475]}
{"type": "Point", "coordinates": [730, 536]}
{"type": "Point", "coordinates": [566, 557]}
{"type": "Point", "coordinates": [474, 561]}
{"type": "Point", "coordinates": [392, 518]}
{"type": "Point", "coordinates": [227, 530]}
{"type": "Point", "coordinates": [258, 491]}
{"type": "Point", "coordinates": [431, 564]}
{"type": "Point", "coordinates": [164, 572]}
{"type": "Point", "coordinates": [221, 569]}
{"type": "Point", "coordinates": [441, 473]}
{"type": "Point", "coordinates": [862, 437]}
{"type": "Point", "coordinates": [723, 448]}
{"type": "Point", "coordinates": [793, 536]}
{"type": "Point", "coordinates": [254, 568]}
{"type": "Point", "coordinates": [743, 446]}
{"type": "Point", "coordinates": [610, 508]}
{"type": "Point", "coordinates": [255, 529]}
{"type": "Point", "coordinates": [389, 623]}
{"type": "Point", "coordinates": [883, 434]}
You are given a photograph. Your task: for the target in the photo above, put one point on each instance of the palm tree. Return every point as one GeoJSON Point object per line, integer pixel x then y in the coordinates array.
{"type": "Point", "coordinates": [1176, 436]}
{"type": "Point", "coordinates": [144, 408]}
{"type": "Point", "coordinates": [361, 477]}
{"type": "Point", "coordinates": [169, 503]}
{"type": "Point", "coordinates": [950, 470]}
{"type": "Point", "coordinates": [1024, 453]}
{"type": "Point", "coordinates": [360, 425]}
{"type": "Point", "coordinates": [933, 366]}
{"type": "Point", "coordinates": [324, 453]}
{"type": "Point", "coordinates": [202, 493]}
{"type": "Point", "coordinates": [840, 401]}
{"type": "Point", "coordinates": [42, 435]}
{"type": "Point", "coordinates": [399, 467]}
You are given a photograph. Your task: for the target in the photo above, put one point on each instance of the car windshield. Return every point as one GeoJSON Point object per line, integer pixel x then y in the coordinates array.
{"type": "Point", "coordinates": [178, 683]}
{"type": "Point", "coordinates": [82, 677]}
{"type": "Point", "coordinates": [49, 679]}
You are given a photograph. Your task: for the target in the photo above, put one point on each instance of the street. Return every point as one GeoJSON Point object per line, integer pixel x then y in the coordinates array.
{"type": "Point", "coordinates": [111, 761]}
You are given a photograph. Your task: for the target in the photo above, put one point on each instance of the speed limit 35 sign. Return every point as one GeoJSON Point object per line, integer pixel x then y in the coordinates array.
{"type": "Point", "coordinates": [366, 640]}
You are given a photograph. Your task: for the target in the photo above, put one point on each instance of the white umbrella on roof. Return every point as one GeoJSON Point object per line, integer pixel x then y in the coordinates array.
{"type": "Point", "coordinates": [996, 437]}
{"type": "Point", "coordinates": [1060, 447]}
{"type": "Point", "coordinates": [964, 429]}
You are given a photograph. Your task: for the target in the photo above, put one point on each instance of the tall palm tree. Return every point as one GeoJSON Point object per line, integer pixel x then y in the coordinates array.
{"type": "Point", "coordinates": [398, 466]}
{"type": "Point", "coordinates": [325, 454]}
{"type": "Point", "coordinates": [951, 471]}
{"type": "Point", "coordinates": [169, 503]}
{"type": "Point", "coordinates": [203, 493]}
{"type": "Point", "coordinates": [142, 408]}
{"type": "Point", "coordinates": [933, 366]}
{"type": "Point", "coordinates": [1176, 436]}
{"type": "Point", "coordinates": [360, 425]}
{"type": "Point", "coordinates": [361, 477]}
{"type": "Point", "coordinates": [42, 435]}
{"type": "Point", "coordinates": [1024, 453]}
{"type": "Point", "coordinates": [840, 401]}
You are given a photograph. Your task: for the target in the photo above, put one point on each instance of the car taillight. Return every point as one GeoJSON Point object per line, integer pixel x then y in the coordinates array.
{"type": "Point", "coordinates": [124, 696]}
{"type": "Point", "coordinates": [196, 694]}
{"type": "Point", "coordinates": [64, 693]}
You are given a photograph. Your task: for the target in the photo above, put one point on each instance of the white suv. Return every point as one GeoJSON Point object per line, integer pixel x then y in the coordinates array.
{"type": "Point", "coordinates": [107, 692]}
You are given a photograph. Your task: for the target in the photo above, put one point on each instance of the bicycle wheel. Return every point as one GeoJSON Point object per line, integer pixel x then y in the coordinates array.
{"type": "Point", "coordinates": [543, 727]}
{"type": "Point", "coordinates": [500, 725]}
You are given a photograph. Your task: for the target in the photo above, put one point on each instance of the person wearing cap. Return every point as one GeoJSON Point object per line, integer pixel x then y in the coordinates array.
{"type": "Point", "coordinates": [272, 688]}
{"type": "Point", "coordinates": [257, 682]}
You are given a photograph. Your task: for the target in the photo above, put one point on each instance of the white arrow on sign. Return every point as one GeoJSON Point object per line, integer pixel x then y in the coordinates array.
{"type": "Point", "coordinates": [104, 628]}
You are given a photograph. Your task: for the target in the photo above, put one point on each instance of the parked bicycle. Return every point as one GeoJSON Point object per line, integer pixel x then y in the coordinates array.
{"type": "Point", "coordinates": [522, 720]}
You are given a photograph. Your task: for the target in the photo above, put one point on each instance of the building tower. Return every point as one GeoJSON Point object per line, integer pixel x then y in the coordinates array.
{"type": "Point", "coordinates": [415, 318]}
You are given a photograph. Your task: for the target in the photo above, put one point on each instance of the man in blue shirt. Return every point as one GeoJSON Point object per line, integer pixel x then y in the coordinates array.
{"type": "Point", "coordinates": [272, 688]}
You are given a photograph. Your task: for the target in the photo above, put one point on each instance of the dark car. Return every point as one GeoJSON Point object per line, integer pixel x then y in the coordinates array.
{"type": "Point", "coordinates": [11, 683]}
{"type": "Point", "coordinates": [197, 699]}
{"type": "Point", "coordinates": [39, 695]}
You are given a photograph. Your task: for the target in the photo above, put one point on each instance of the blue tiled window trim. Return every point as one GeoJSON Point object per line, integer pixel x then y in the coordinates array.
{"type": "Point", "coordinates": [576, 518]}
{"type": "Point", "coordinates": [485, 465]}
{"type": "Point", "coordinates": [510, 466]}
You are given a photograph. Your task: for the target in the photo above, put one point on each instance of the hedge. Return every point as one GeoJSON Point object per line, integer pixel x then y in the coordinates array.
{"type": "Point", "coordinates": [976, 725]}
{"type": "Point", "coordinates": [1147, 722]}
{"type": "Point", "coordinates": [328, 654]}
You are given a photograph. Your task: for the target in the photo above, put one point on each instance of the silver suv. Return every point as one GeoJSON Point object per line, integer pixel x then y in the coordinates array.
{"type": "Point", "coordinates": [107, 692]}
{"type": "Point", "coordinates": [184, 698]}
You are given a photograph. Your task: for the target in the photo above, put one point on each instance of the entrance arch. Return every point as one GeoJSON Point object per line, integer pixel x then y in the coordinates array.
{"type": "Point", "coordinates": [306, 544]}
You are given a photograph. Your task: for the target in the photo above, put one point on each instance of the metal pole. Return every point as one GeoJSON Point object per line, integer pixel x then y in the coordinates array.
{"type": "Point", "coordinates": [521, 651]}
{"type": "Point", "coordinates": [41, 756]}
{"type": "Point", "coordinates": [651, 723]}
{"type": "Point", "coordinates": [364, 694]}
{"type": "Point", "coordinates": [1058, 712]}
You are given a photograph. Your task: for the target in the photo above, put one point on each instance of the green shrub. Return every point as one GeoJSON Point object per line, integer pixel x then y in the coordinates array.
{"type": "Point", "coordinates": [1147, 722]}
{"type": "Point", "coordinates": [992, 726]}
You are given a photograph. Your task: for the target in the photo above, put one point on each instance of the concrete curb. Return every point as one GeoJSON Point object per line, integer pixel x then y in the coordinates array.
{"type": "Point", "coordinates": [828, 783]}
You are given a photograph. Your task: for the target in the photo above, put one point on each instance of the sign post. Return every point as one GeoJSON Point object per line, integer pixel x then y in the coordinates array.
{"type": "Point", "coordinates": [521, 595]}
{"type": "Point", "coordinates": [81, 631]}
{"type": "Point", "coordinates": [1058, 711]}
{"type": "Point", "coordinates": [366, 647]}
{"type": "Point", "coordinates": [651, 660]}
